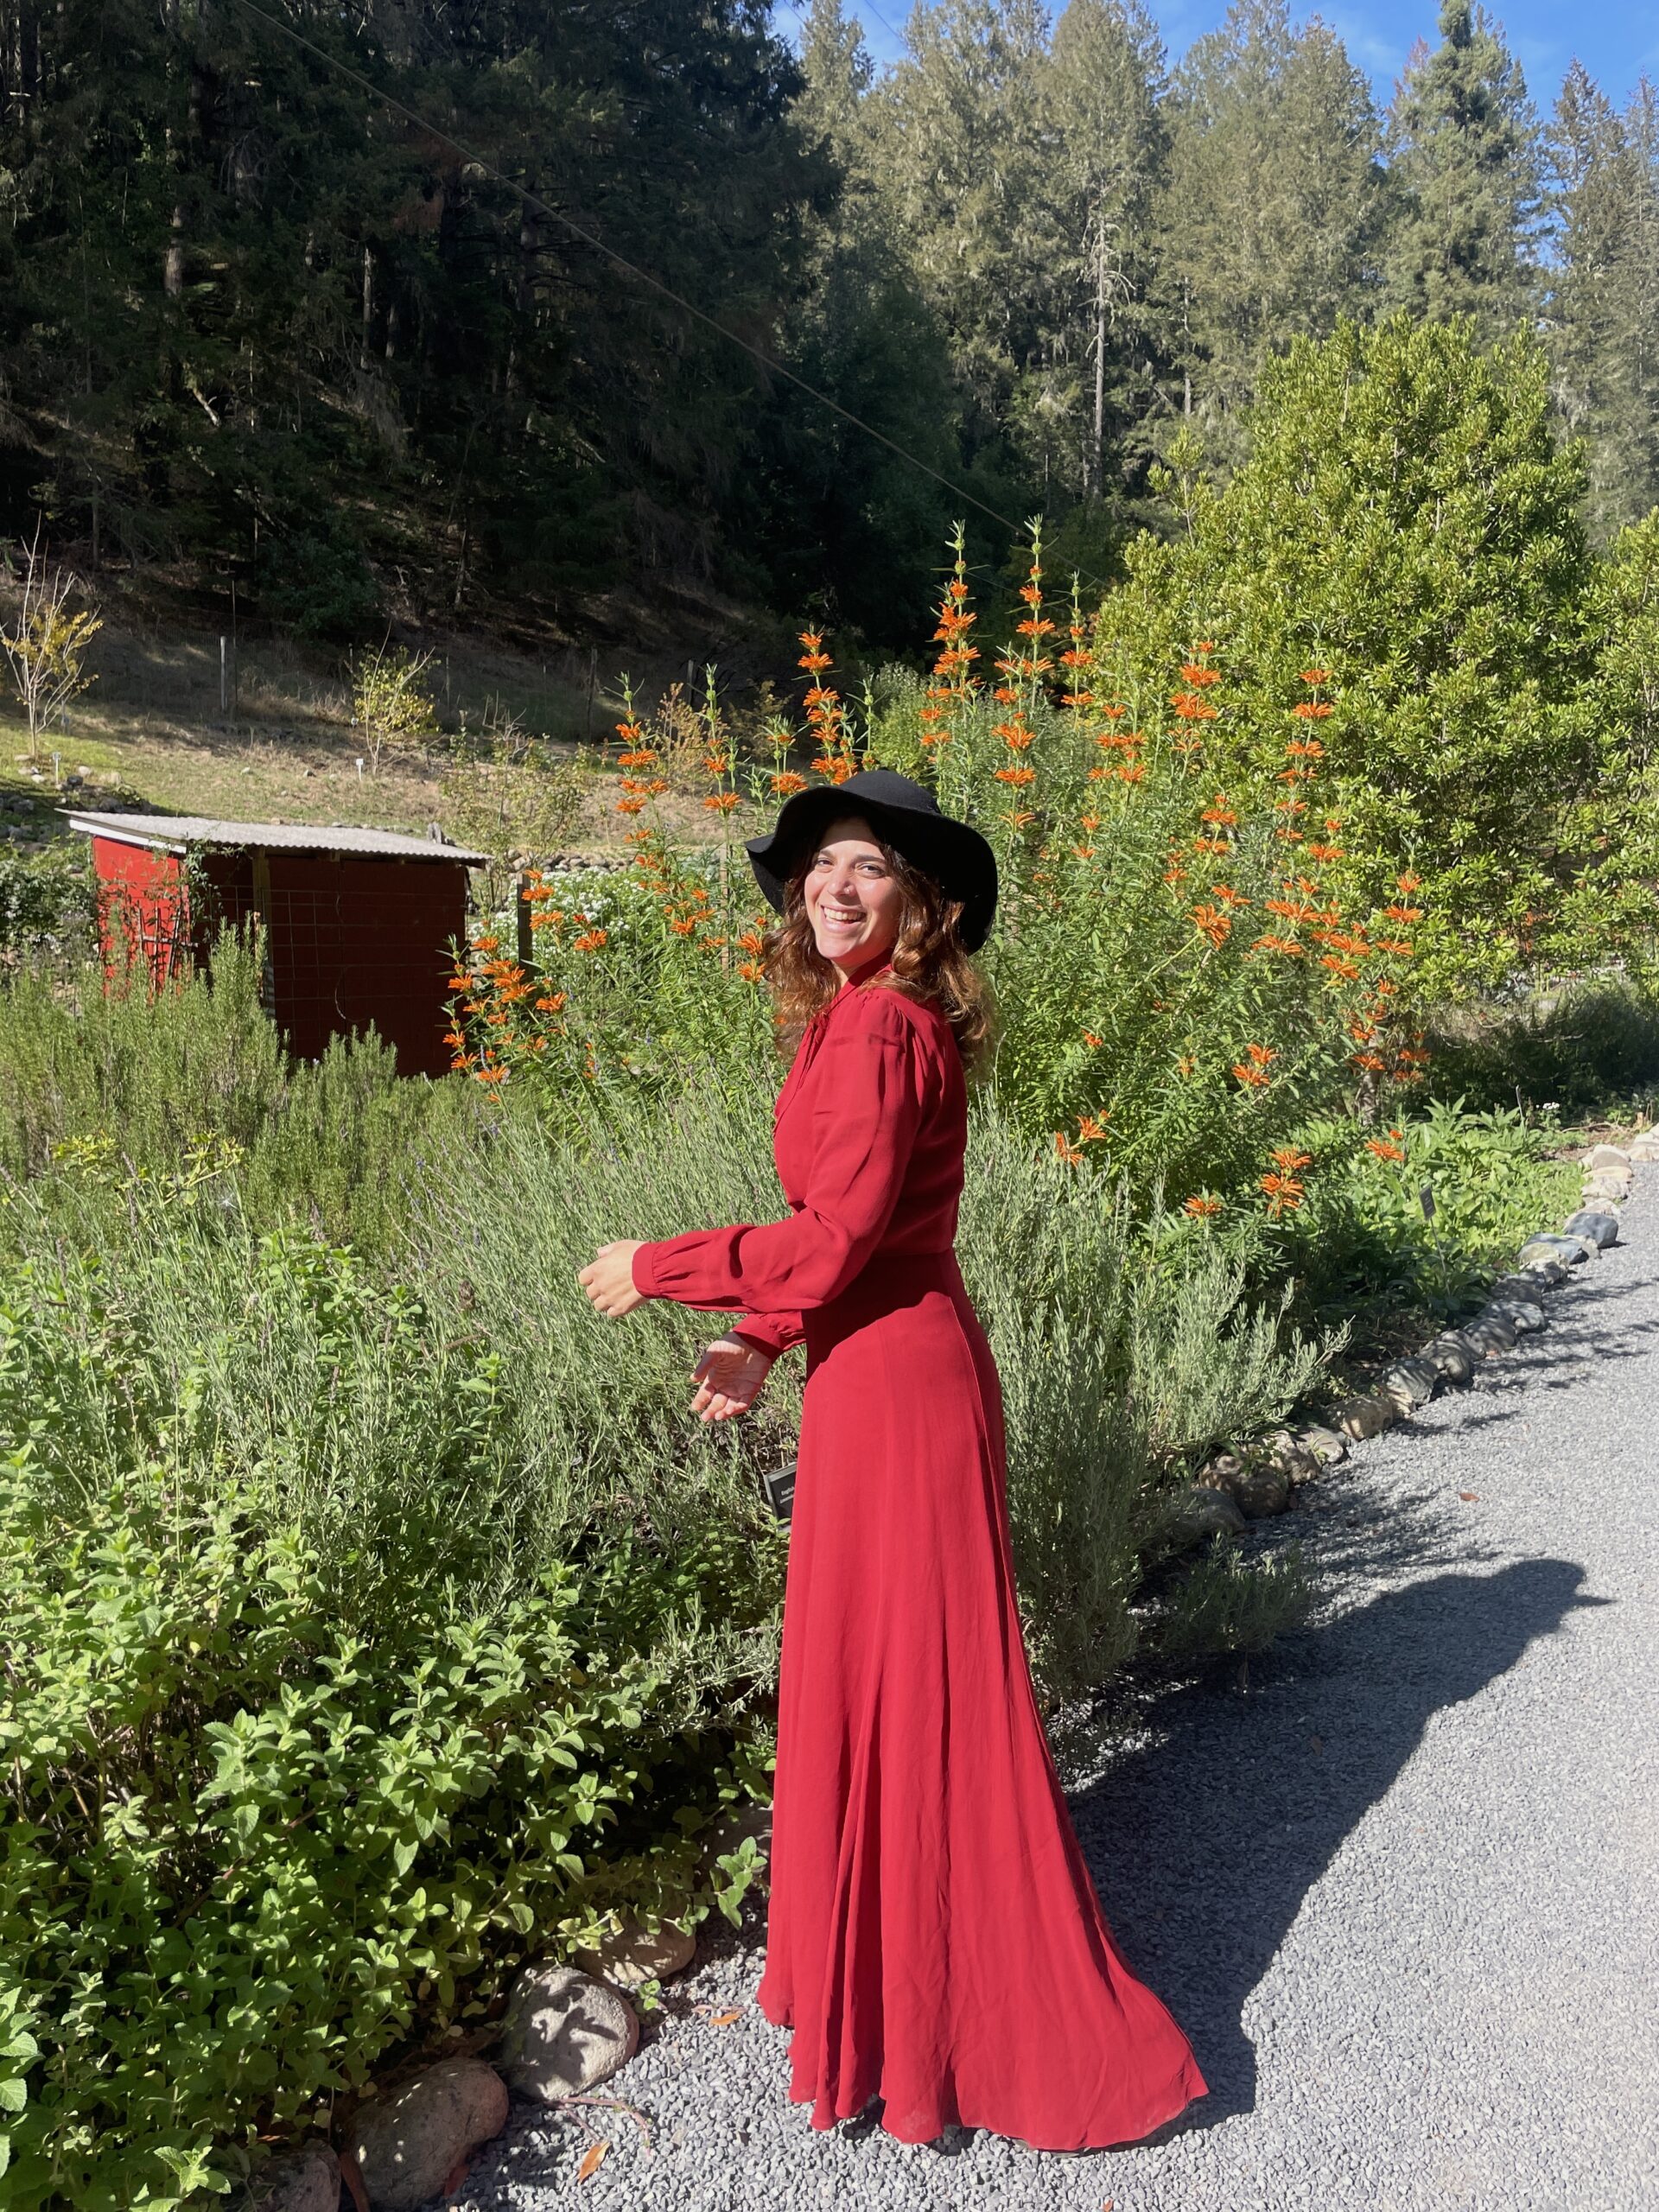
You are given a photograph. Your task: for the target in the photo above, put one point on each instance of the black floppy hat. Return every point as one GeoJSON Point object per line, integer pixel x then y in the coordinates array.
{"type": "Point", "coordinates": [905, 815]}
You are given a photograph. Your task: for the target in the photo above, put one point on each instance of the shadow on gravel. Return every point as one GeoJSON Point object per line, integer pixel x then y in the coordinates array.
{"type": "Point", "coordinates": [1204, 1845]}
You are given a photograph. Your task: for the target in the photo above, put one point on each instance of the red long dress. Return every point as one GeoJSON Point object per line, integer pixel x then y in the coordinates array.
{"type": "Point", "coordinates": [934, 1937]}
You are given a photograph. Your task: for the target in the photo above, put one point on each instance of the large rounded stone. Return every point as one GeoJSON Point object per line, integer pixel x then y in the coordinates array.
{"type": "Point", "coordinates": [1606, 1155]}
{"type": "Point", "coordinates": [1609, 1187]}
{"type": "Point", "coordinates": [306, 2181]}
{"type": "Point", "coordinates": [1410, 1382]}
{"type": "Point", "coordinates": [1645, 1147]}
{"type": "Point", "coordinates": [405, 2146]}
{"type": "Point", "coordinates": [1566, 1250]}
{"type": "Point", "coordinates": [1490, 1333]}
{"type": "Point", "coordinates": [1531, 1284]}
{"type": "Point", "coordinates": [1602, 1228]}
{"type": "Point", "coordinates": [1367, 1416]}
{"type": "Point", "coordinates": [635, 1956]}
{"type": "Point", "coordinates": [1327, 1446]}
{"type": "Point", "coordinates": [1300, 1463]}
{"type": "Point", "coordinates": [1199, 1512]}
{"type": "Point", "coordinates": [564, 2032]}
{"type": "Point", "coordinates": [1222, 1471]}
{"type": "Point", "coordinates": [1524, 1315]}
{"type": "Point", "coordinates": [1453, 1355]}
{"type": "Point", "coordinates": [1261, 1489]}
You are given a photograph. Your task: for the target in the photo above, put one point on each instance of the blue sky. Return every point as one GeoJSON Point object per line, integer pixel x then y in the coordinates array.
{"type": "Point", "coordinates": [1615, 40]}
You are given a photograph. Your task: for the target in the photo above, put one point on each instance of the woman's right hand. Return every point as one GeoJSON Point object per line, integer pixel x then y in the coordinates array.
{"type": "Point", "coordinates": [729, 1377]}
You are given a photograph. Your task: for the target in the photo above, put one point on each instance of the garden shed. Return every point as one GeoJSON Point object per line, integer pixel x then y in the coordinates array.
{"type": "Point", "coordinates": [356, 924]}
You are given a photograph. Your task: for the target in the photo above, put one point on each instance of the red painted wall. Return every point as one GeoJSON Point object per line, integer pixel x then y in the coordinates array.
{"type": "Point", "coordinates": [355, 941]}
{"type": "Point", "coordinates": [143, 911]}
{"type": "Point", "coordinates": [350, 940]}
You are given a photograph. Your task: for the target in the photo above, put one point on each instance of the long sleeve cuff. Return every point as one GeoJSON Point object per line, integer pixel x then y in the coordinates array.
{"type": "Point", "coordinates": [771, 1332]}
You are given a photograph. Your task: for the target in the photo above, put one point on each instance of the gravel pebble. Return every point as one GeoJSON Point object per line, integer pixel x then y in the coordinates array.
{"type": "Point", "coordinates": [1403, 1894]}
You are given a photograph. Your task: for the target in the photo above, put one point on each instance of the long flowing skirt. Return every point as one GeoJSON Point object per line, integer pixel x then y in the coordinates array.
{"type": "Point", "coordinates": [934, 1936]}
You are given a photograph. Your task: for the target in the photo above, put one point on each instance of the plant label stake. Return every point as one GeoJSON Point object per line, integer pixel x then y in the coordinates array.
{"type": "Point", "coordinates": [1426, 1199]}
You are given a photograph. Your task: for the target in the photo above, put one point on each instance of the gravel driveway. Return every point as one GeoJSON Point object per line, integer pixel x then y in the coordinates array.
{"type": "Point", "coordinates": [1404, 1895]}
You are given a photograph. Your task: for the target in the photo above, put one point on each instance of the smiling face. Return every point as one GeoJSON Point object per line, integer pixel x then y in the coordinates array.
{"type": "Point", "coordinates": [854, 901]}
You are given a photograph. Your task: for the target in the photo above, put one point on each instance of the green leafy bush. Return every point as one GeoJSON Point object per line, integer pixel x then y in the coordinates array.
{"type": "Point", "coordinates": [252, 1842]}
{"type": "Point", "coordinates": [46, 907]}
{"type": "Point", "coordinates": [1362, 1244]}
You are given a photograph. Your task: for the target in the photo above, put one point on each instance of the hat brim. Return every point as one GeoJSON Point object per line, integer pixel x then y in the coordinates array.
{"type": "Point", "coordinates": [956, 857]}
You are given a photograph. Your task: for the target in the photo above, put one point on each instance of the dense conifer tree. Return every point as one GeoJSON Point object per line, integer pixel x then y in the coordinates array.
{"type": "Point", "coordinates": [1275, 194]}
{"type": "Point", "coordinates": [1464, 143]}
{"type": "Point", "coordinates": [1603, 300]}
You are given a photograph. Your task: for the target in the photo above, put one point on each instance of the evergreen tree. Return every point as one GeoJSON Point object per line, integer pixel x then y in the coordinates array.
{"type": "Point", "coordinates": [1407, 520]}
{"type": "Point", "coordinates": [313, 347]}
{"type": "Point", "coordinates": [1603, 296]}
{"type": "Point", "coordinates": [1274, 192]}
{"type": "Point", "coordinates": [1465, 158]}
{"type": "Point", "coordinates": [1104, 79]}
{"type": "Point", "coordinates": [840, 523]}
{"type": "Point", "coordinates": [964, 151]}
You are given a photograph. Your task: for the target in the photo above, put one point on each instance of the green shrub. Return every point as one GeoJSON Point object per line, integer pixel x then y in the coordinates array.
{"type": "Point", "coordinates": [1225, 1602]}
{"type": "Point", "coordinates": [331, 1145]}
{"type": "Point", "coordinates": [47, 906]}
{"type": "Point", "coordinates": [252, 1842]}
{"type": "Point", "coordinates": [1362, 1247]}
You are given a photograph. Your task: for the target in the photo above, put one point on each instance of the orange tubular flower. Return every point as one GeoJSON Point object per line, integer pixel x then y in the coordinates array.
{"type": "Point", "coordinates": [1283, 1191]}
{"type": "Point", "coordinates": [1193, 707]}
{"type": "Point", "coordinates": [1316, 676]}
{"type": "Point", "coordinates": [1312, 710]}
{"type": "Point", "coordinates": [1093, 1042]}
{"type": "Point", "coordinates": [1388, 1147]}
{"type": "Point", "coordinates": [788, 782]}
{"type": "Point", "coordinates": [1091, 1129]}
{"type": "Point", "coordinates": [1213, 922]}
{"type": "Point", "coordinates": [1067, 1151]}
{"type": "Point", "coordinates": [591, 940]}
{"type": "Point", "coordinates": [1203, 1207]}
{"type": "Point", "coordinates": [1288, 1159]}
{"type": "Point", "coordinates": [1194, 672]}
{"type": "Point", "coordinates": [720, 802]}
{"type": "Point", "coordinates": [1188, 1064]}
{"type": "Point", "coordinates": [1016, 776]}
{"type": "Point", "coordinates": [1410, 883]}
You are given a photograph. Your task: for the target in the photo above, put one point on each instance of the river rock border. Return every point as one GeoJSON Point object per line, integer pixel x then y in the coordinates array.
{"type": "Point", "coordinates": [1250, 1481]}
{"type": "Point", "coordinates": [564, 2031]}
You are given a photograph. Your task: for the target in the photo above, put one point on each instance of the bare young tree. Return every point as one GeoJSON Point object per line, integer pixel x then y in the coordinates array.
{"type": "Point", "coordinates": [46, 651]}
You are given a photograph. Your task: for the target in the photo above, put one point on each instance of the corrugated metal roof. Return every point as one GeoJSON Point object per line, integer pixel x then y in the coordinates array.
{"type": "Point", "coordinates": [173, 833]}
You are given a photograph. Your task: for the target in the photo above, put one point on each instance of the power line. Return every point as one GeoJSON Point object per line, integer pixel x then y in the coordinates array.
{"type": "Point", "coordinates": [644, 276]}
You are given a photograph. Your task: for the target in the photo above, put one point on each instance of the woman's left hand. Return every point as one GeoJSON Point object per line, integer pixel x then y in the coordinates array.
{"type": "Point", "coordinates": [609, 1278]}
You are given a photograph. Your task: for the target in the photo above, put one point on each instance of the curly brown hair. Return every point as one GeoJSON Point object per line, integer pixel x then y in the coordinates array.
{"type": "Point", "coordinates": [928, 960]}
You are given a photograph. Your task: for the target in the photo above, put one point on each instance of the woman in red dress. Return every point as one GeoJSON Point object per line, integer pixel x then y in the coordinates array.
{"type": "Point", "coordinates": [934, 1939]}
